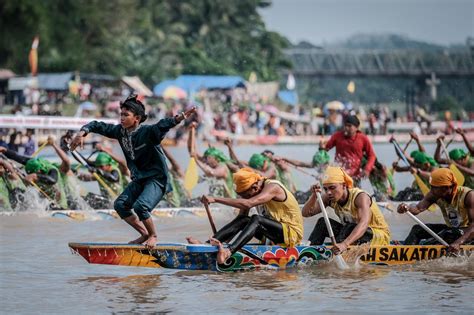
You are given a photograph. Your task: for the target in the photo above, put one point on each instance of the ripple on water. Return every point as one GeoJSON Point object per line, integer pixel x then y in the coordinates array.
{"type": "Point", "coordinates": [36, 264]}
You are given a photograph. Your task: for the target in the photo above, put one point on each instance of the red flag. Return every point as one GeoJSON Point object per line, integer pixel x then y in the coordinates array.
{"type": "Point", "coordinates": [33, 57]}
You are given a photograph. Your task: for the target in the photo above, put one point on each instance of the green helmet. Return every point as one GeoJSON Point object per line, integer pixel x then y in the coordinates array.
{"type": "Point", "coordinates": [457, 154]}
{"type": "Point", "coordinates": [415, 153]}
{"type": "Point", "coordinates": [257, 161]}
{"type": "Point", "coordinates": [103, 159]}
{"type": "Point", "coordinates": [38, 165]}
{"type": "Point", "coordinates": [419, 157]}
{"type": "Point", "coordinates": [321, 157]}
{"type": "Point", "coordinates": [216, 153]}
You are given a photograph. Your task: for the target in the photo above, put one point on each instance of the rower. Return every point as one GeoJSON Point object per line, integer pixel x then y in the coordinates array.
{"type": "Point", "coordinates": [109, 172]}
{"type": "Point", "coordinates": [463, 161]}
{"type": "Point", "coordinates": [361, 219]}
{"type": "Point", "coordinates": [263, 165]}
{"type": "Point", "coordinates": [351, 147]}
{"type": "Point", "coordinates": [43, 173]}
{"type": "Point", "coordinates": [179, 194]}
{"type": "Point", "coordinates": [382, 182]}
{"type": "Point", "coordinates": [11, 187]}
{"type": "Point", "coordinates": [217, 167]}
{"type": "Point", "coordinates": [68, 178]}
{"type": "Point", "coordinates": [468, 144]}
{"type": "Point", "coordinates": [456, 204]}
{"type": "Point", "coordinates": [145, 159]}
{"type": "Point", "coordinates": [259, 162]}
{"type": "Point", "coordinates": [281, 223]}
{"type": "Point", "coordinates": [421, 164]}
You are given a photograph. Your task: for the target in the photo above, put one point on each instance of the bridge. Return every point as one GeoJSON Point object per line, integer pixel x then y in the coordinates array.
{"type": "Point", "coordinates": [314, 62]}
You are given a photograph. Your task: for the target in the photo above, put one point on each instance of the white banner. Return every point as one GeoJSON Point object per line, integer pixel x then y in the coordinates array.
{"type": "Point", "coordinates": [48, 122]}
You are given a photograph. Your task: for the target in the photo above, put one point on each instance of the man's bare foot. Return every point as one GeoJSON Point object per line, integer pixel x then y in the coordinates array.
{"type": "Point", "coordinates": [139, 240]}
{"type": "Point", "coordinates": [192, 240]}
{"type": "Point", "coordinates": [150, 242]}
{"type": "Point", "coordinates": [223, 253]}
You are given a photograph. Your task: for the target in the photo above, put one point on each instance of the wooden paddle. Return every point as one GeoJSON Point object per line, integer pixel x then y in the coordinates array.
{"type": "Point", "coordinates": [32, 183]}
{"type": "Point", "coordinates": [209, 216]}
{"type": "Point", "coordinates": [39, 149]}
{"type": "Point", "coordinates": [405, 148]}
{"type": "Point", "coordinates": [302, 171]}
{"type": "Point", "coordinates": [341, 263]}
{"type": "Point", "coordinates": [214, 231]}
{"type": "Point", "coordinates": [457, 173]}
{"type": "Point", "coordinates": [427, 229]}
{"type": "Point", "coordinates": [191, 176]}
{"type": "Point", "coordinates": [423, 187]}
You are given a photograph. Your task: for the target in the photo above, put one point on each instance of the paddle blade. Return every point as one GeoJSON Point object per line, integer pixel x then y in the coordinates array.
{"type": "Point", "coordinates": [340, 262]}
{"type": "Point", "coordinates": [421, 184]}
{"type": "Point", "coordinates": [457, 174]}
{"type": "Point", "coordinates": [191, 176]}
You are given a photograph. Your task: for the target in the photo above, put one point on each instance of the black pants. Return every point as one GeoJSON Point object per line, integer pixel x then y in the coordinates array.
{"type": "Point", "coordinates": [417, 233]}
{"type": "Point", "coordinates": [249, 227]}
{"type": "Point", "coordinates": [341, 232]}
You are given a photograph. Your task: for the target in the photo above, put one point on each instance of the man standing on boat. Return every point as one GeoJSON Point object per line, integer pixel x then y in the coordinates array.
{"type": "Point", "coordinates": [351, 147]}
{"type": "Point", "coordinates": [361, 219]}
{"type": "Point", "coordinates": [145, 159]}
{"type": "Point", "coordinates": [281, 223]}
{"type": "Point", "coordinates": [456, 204]}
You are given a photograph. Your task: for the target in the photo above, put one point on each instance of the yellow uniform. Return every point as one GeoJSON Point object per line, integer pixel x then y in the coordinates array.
{"type": "Point", "coordinates": [348, 214]}
{"type": "Point", "coordinates": [455, 213]}
{"type": "Point", "coordinates": [288, 213]}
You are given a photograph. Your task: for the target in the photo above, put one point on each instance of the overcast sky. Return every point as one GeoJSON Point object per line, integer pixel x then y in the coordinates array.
{"type": "Point", "coordinates": [318, 21]}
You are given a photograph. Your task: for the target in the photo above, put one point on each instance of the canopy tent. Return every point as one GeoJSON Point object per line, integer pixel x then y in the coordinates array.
{"type": "Point", "coordinates": [19, 83]}
{"type": "Point", "coordinates": [136, 84]}
{"type": "Point", "coordinates": [6, 74]}
{"type": "Point", "coordinates": [45, 81]}
{"type": "Point", "coordinates": [194, 83]}
{"type": "Point", "coordinates": [266, 91]}
{"type": "Point", "coordinates": [55, 81]}
{"type": "Point", "coordinates": [288, 97]}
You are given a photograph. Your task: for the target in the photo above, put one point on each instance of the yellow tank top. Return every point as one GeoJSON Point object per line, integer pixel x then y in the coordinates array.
{"type": "Point", "coordinates": [348, 214]}
{"type": "Point", "coordinates": [288, 213]}
{"type": "Point", "coordinates": [455, 213]}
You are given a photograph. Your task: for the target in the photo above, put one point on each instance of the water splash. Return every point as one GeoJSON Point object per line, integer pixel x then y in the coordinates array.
{"type": "Point", "coordinates": [32, 202]}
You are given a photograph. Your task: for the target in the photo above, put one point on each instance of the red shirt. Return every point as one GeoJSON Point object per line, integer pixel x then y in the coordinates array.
{"type": "Point", "coordinates": [350, 151]}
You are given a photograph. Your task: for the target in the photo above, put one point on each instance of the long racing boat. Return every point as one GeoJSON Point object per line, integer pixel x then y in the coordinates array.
{"type": "Point", "coordinates": [250, 257]}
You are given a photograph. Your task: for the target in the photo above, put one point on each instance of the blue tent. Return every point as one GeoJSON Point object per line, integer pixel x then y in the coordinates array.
{"type": "Point", "coordinates": [288, 97]}
{"type": "Point", "coordinates": [193, 83]}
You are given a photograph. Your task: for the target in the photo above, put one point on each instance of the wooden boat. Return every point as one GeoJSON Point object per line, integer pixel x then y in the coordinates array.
{"type": "Point", "coordinates": [199, 257]}
{"type": "Point", "coordinates": [203, 257]}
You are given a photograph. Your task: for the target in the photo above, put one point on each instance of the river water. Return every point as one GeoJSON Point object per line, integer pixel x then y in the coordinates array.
{"type": "Point", "coordinates": [39, 275]}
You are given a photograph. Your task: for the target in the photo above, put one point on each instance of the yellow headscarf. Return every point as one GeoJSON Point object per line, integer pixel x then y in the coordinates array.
{"type": "Point", "coordinates": [244, 178]}
{"type": "Point", "coordinates": [443, 177]}
{"type": "Point", "coordinates": [336, 175]}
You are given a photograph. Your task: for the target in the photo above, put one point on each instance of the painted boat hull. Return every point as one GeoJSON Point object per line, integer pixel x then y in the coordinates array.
{"type": "Point", "coordinates": [203, 257]}
{"type": "Point", "coordinates": [199, 257]}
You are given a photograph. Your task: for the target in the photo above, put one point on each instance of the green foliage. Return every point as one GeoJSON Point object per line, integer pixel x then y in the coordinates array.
{"type": "Point", "coordinates": [152, 39]}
